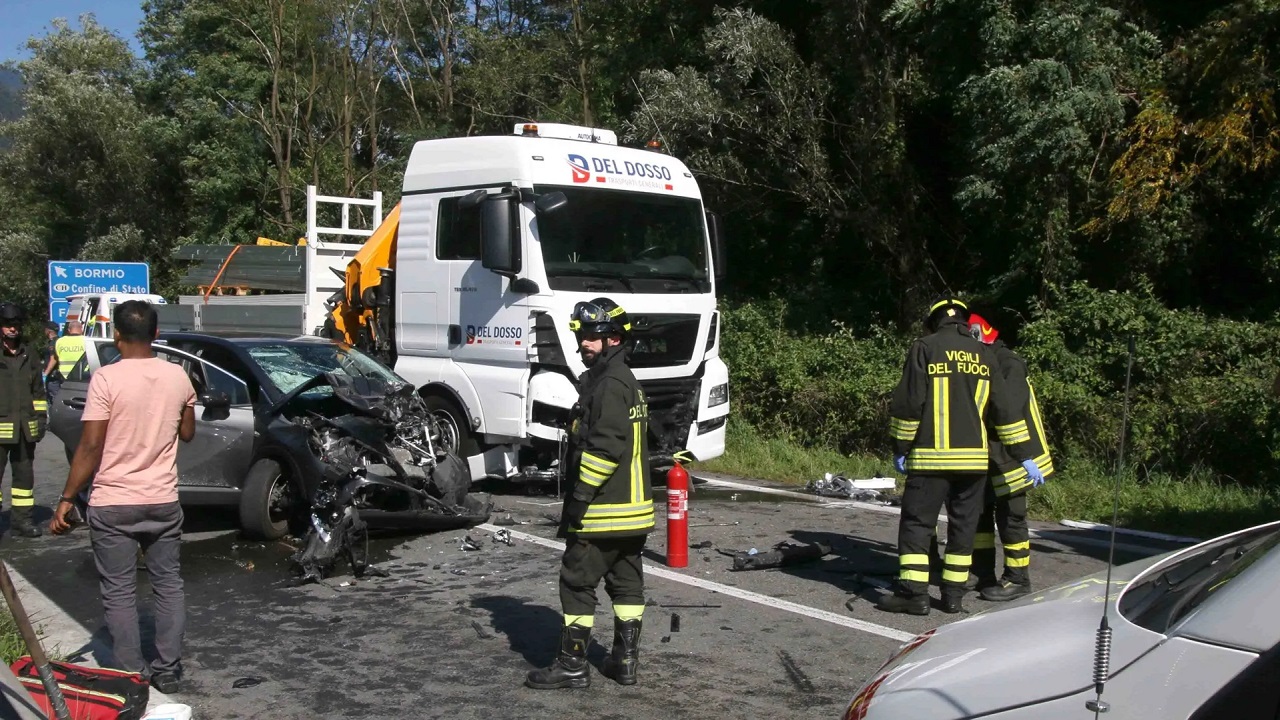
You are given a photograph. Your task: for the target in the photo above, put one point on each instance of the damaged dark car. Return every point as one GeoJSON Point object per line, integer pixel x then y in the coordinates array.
{"type": "Point", "coordinates": [305, 436]}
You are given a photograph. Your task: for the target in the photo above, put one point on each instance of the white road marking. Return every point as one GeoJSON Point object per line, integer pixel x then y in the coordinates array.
{"type": "Point", "coordinates": [798, 609]}
{"type": "Point", "coordinates": [820, 501]}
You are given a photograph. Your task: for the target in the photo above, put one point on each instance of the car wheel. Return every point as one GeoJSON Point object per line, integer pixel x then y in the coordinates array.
{"type": "Point", "coordinates": [267, 501]}
{"type": "Point", "coordinates": [457, 437]}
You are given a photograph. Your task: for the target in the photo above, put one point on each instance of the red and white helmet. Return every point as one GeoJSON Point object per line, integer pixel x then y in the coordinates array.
{"type": "Point", "coordinates": [982, 330]}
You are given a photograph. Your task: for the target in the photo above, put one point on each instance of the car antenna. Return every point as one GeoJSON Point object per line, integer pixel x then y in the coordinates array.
{"type": "Point", "coordinates": [1102, 647]}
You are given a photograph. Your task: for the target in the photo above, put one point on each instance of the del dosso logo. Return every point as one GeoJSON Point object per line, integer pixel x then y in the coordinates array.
{"type": "Point", "coordinates": [649, 176]}
{"type": "Point", "coordinates": [581, 170]}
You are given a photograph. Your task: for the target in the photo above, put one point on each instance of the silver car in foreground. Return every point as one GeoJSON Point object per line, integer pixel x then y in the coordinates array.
{"type": "Point", "coordinates": [1194, 635]}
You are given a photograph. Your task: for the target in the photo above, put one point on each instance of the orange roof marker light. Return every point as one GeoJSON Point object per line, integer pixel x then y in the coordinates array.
{"type": "Point", "coordinates": [530, 130]}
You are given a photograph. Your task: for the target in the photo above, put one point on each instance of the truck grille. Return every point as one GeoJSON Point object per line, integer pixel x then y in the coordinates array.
{"type": "Point", "coordinates": [663, 340]}
{"type": "Point", "coordinates": [673, 405]}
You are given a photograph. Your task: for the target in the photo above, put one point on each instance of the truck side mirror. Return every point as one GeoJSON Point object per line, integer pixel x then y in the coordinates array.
{"type": "Point", "coordinates": [499, 239]}
{"type": "Point", "coordinates": [719, 252]}
{"type": "Point", "coordinates": [550, 203]}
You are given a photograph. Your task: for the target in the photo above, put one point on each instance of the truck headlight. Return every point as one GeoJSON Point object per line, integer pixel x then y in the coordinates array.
{"type": "Point", "coordinates": [719, 395]}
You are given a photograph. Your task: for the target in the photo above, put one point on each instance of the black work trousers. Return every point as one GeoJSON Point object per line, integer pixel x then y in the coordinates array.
{"type": "Point", "coordinates": [20, 455]}
{"type": "Point", "coordinates": [1009, 515]}
{"type": "Point", "coordinates": [921, 502]}
{"type": "Point", "coordinates": [585, 562]}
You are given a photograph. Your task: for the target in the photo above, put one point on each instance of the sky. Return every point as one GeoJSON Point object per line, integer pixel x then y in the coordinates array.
{"type": "Point", "coordinates": [20, 19]}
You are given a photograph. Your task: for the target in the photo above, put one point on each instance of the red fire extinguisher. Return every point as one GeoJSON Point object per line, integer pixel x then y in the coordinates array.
{"type": "Point", "coordinates": [677, 517]}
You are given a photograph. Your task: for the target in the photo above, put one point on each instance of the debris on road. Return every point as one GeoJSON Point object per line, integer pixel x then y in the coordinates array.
{"type": "Point", "coordinates": [782, 555]}
{"type": "Point", "coordinates": [481, 630]}
{"type": "Point", "coordinates": [246, 682]}
{"type": "Point", "coordinates": [504, 537]}
{"type": "Point", "coordinates": [696, 605]}
{"type": "Point", "coordinates": [467, 543]}
{"type": "Point", "coordinates": [865, 490]}
{"type": "Point", "coordinates": [675, 622]}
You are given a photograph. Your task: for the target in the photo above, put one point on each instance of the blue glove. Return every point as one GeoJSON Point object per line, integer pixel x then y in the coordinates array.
{"type": "Point", "coordinates": [1033, 472]}
{"type": "Point", "coordinates": [900, 463]}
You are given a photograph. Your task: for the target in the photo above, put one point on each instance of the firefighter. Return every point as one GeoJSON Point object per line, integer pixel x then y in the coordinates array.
{"type": "Point", "coordinates": [950, 390]}
{"type": "Point", "coordinates": [1005, 505]}
{"type": "Point", "coordinates": [23, 416]}
{"type": "Point", "coordinates": [608, 513]}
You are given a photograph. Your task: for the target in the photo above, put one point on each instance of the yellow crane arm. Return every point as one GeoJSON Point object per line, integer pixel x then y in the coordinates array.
{"type": "Point", "coordinates": [379, 251]}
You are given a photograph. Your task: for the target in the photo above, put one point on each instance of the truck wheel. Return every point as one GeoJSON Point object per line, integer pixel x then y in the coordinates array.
{"type": "Point", "coordinates": [458, 438]}
{"type": "Point", "coordinates": [267, 501]}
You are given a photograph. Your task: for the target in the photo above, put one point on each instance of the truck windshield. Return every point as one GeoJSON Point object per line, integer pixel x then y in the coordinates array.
{"type": "Point", "coordinates": [609, 240]}
{"type": "Point", "coordinates": [1159, 601]}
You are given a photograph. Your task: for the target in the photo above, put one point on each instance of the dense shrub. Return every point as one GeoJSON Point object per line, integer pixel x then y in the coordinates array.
{"type": "Point", "coordinates": [1200, 401]}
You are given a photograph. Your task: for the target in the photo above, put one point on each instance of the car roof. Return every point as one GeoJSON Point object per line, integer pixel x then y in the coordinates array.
{"type": "Point", "coordinates": [248, 339]}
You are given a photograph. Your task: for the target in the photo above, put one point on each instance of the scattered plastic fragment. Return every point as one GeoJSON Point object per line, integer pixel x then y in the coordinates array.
{"type": "Point", "coordinates": [468, 544]}
{"type": "Point", "coordinates": [246, 682]}
{"type": "Point", "coordinates": [481, 631]}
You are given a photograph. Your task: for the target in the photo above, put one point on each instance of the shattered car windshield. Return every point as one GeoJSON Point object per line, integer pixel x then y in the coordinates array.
{"type": "Point", "coordinates": [291, 365]}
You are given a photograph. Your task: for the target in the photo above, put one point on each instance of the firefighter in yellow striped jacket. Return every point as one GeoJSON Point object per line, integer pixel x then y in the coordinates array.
{"type": "Point", "coordinates": [24, 412]}
{"type": "Point", "coordinates": [1005, 505]}
{"type": "Point", "coordinates": [950, 393]}
{"type": "Point", "coordinates": [609, 512]}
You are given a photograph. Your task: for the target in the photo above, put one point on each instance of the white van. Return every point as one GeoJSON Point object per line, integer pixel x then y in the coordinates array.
{"type": "Point", "coordinates": [95, 311]}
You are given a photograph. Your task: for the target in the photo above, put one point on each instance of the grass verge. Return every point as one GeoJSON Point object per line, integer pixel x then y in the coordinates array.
{"type": "Point", "coordinates": [11, 645]}
{"type": "Point", "coordinates": [1195, 505]}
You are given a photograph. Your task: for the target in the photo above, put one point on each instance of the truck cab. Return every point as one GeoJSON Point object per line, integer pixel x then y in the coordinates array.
{"type": "Point", "coordinates": [499, 237]}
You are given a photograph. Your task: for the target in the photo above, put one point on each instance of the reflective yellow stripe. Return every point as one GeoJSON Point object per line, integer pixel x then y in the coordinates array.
{"type": "Point", "coordinates": [913, 575]}
{"type": "Point", "coordinates": [580, 620]}
{"type": "Point", "coordinates": [958, 560]}
{"type": "Point", "coordinates": [595, 526]}
{"type": "Point", "coordinates": [955, 576]}
{"type": "Point", "coordinates": [913, 559]}
{"type": "Point", "coordinates": [1014, 433]}
{"type": "Point", "coordinates": [1024, 545]}
{"type": "Point", "coordinates": [984, 541]}
{"type": "Point", "coordinates": [40, 405]}
{"type": "Point", "coordinates": [628, 612]}
{"type": "Point", "coordinates": [619, 510]}
{"type": "Point", "coordinates": [599, 464]}
{"type": "Point", "coordinates": [941, 406]}
{"type": "Point", "coordinates": [980, 397]}
{"type": "Point", "coordinates": [900, 429]}
{"type": "Point", "coordinates": [1008, 561]}
{"type": "Point", "coordinates": [637, 467]}
{"type": "Point", "coordinates": [21, 492]}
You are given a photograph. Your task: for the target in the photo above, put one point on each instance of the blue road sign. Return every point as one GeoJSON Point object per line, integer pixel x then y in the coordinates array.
{"type": "Point", "coordinates": [73, 277]}
{"type": "Point", "coordinates": [58, 310]}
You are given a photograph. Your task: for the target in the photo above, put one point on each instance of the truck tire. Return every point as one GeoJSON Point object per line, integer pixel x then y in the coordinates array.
{"type": "Point", "coordinates": [265, 507]}
{"type": "Point", "coordinates": [458, 438]}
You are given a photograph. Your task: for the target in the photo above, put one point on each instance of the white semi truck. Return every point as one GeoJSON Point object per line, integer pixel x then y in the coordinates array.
{"type": "Point", "coordinates": [467, 286]}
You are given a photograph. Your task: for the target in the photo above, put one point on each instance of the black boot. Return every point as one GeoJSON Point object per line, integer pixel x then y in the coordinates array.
{"type": "Point", "coordinates": [952, 600]}
{"type": "Point", "coordinates": [20, 523]}
{"type": "Point", "coordinates": [900, 602]}
{"type": "Point", "coordinates": [570, 669]}
{"type": "Point", "coordinates": [981, 582]}
{"type": "Point", "coordinates": [624, 660]}
{"type": "Point", "coordinates": [1006, 591]}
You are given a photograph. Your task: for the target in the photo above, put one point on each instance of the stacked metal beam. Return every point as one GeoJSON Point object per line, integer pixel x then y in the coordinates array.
{"type": "Point", "coordinates": [258, 267]}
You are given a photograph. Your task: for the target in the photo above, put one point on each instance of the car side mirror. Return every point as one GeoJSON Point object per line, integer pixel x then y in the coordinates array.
{"type": "Point", "coordinates": [215, 400]}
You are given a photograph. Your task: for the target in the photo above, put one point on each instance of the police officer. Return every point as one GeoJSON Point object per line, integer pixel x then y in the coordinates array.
{"type": "Point", "coordinates": [1005, 502]}
{"type": "Point", "coordinates": [23, 415]}
{"type": "Point", "coordinates": [609, 511]}
{"type": "Point", "coordinates": [69, 348]}
{"type": "Point", "coordinates": [950, 389]}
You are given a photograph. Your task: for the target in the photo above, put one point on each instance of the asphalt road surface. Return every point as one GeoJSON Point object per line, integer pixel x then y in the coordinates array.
{"type": "Point", "coordinates": [451, 632]}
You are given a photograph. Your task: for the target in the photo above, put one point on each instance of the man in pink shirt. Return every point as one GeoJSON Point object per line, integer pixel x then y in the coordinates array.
{"type": "Point", "coordinates": [137, 409]}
